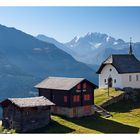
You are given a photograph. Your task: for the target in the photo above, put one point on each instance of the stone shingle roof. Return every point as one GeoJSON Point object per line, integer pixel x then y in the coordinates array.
{"type": "Point", "coordinates": [124, 63]}
{"type": "Point", "coordinates": [60, 83]}
{"type": "Point", "coordinates": [30, 102]}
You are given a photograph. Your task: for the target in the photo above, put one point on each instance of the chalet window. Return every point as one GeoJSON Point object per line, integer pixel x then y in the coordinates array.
{"type": "Point", "coordinates": [114, 80]}
{"type": "Point", "coordinates": [78, 86]}
{"type": "Point", "coordinates": [87, 109]}
{"type": "Point", "coordinates": [87, 97]}
{"type": "Point", "coordinates": [65, 99]}
{"type": "Point", "coordinates": [130, 78]}
{"type": "Point", "coordinates": [105, 80]}
{"type": "Point", "coordinates": [137, 77]}
{"type": "Point", "coordinates": [84, 85]}
{"type": "Point", "coordinates": [78, 91]}
{"type": "Point", "coordinates": [110, 69]}
{"type": "Point", "coordinates": [76, 98]}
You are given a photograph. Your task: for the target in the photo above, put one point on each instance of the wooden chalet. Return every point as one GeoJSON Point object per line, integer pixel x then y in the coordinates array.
{"type": "Point", "coordinates": [23, 114]}
{"type": "Point", "coordinates": [74, 97]}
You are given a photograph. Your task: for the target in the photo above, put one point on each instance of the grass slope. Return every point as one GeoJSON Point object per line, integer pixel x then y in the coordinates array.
{"type": "Point", "coordinates": [101, 95]}
{"type": "Point", "coordinates": [126, 119]}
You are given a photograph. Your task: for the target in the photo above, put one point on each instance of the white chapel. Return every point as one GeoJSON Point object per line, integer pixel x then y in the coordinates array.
{"type": "Point", "coordinates": [120, 71]}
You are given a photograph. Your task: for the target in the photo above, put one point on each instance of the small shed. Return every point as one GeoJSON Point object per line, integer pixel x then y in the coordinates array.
{"type": "Point", "coordinates": [23, 114]}
{"type": "Point", "coordinates": [74, 97]}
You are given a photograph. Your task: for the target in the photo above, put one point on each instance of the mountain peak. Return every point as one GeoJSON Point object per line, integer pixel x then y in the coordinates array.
{"type": "Point", "coordinates": [95, 34]}
{"type": "Point", "coordinates": [73, 41]}
{"type": "Point", "coordinates": [89, 34]}
{"type": "Point", "coordinates": [76, 38]}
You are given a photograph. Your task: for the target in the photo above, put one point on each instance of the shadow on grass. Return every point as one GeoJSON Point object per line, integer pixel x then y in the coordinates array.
{"type": "Point", "coordinates": [123, 106]}
{"type": "Point", "coordinates": [53, 127]}
{"type": "Point", "coordinates": [104, 125]}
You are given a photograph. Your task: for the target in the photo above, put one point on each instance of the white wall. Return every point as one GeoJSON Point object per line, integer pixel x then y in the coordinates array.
{"type": "Point", "coordinates": [106, 73]}
{"type": "Point", "coordinates": [122, 80]}
{"type": "Point", "coordinates": [133, 83]}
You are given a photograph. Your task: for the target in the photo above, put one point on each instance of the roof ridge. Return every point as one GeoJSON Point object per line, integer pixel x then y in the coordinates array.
{"type": "Point", "coordinates": [30, 101]}
{"type": "Point", "coordinates": [66, 77]}
{"type": "Point", "coordinates": [26, 97]}
{"type": "Point", "coordinates": [107, 59]}
{"type": "Point", "coordinates": [60, 83]}
{"type": "Point", "coordinates": [122, 63]}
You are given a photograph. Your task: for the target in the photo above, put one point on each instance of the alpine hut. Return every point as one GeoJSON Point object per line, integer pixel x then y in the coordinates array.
{"type": "Point", "coordinates": [23, 114]}
{"type": "Point", "coordinates": [73, 97]}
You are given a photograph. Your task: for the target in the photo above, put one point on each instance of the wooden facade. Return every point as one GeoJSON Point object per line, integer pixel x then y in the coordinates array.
{"type": "Point", "coordinates": [81, 95]}
{"type": "Point", "coordinates": [25, 118]}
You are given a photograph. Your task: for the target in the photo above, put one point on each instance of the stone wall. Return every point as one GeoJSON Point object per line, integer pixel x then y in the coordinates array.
{"type": "Point", "coordinates": [113, 100]}
{"type": "Point", "coordinates": [129, 93]}
{"type": "Point", "coordinates": [72, 112]}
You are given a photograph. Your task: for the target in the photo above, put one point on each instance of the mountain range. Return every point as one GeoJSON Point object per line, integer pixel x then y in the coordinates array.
{"type": "Point", "coordinates": [95, 47]}
{"type": "Point", "coordinates": [25, 61]}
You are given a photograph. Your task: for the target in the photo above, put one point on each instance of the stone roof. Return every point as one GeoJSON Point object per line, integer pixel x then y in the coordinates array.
{"type": "Point", "coordinates": [30, 102]}
{"type": "Point", "coordinates": [124, 63]}
{"type": "Point", "coordinates": [59, 83]}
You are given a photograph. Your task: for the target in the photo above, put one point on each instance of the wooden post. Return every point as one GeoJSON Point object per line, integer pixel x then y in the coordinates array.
{"type": "Point", "coordinates": [107, 83]}
{"type": "Point", "coordinates": [108, 89]}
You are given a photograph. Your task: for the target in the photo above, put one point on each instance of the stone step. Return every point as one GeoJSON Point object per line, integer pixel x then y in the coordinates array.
{"type": "Point", "coordinates": [102, 111]}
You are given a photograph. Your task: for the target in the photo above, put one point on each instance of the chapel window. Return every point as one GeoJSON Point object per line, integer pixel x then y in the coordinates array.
{"type": "Point", "coordinates": [130, 78]}
{"type": "Point", "coordinates": [137, 77]}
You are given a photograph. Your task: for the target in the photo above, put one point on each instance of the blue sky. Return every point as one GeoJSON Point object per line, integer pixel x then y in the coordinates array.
{"type": "Point", "coordinates": [63, 23]}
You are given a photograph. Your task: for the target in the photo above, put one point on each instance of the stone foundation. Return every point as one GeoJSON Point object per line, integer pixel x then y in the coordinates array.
{"type": "Point", "coordinates": [73, 112]}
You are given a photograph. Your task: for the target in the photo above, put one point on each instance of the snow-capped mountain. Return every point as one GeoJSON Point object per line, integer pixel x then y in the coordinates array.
{"type": "Point", "coordinates": [73, 42]}
{"type": "Point", "coordinates": [93, 48]}
{"type": "Point", "coordinates": [93, 41]}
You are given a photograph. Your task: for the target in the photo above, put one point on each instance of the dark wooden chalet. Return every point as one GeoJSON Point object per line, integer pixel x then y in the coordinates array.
{"type": "Point", "coordinates": [23, 114]}
{"type": "Point", "coordinates": [74, 97]}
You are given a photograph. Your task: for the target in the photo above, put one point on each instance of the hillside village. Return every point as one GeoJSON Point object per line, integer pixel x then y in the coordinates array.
{"type": "Point", "coordinates": [76, 102]}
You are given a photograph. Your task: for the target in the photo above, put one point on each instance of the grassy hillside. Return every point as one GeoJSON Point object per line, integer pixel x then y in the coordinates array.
{"type": "Point", "coordinates": [101, 95]}
{"type": "Point", "coordinates": [126, 119]}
